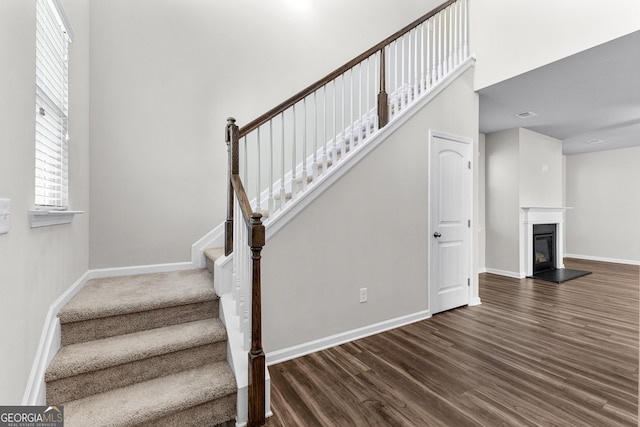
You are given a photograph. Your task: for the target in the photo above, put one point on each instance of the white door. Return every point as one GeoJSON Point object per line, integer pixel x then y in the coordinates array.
{"type": "Point", "coordinates": [449, 222]}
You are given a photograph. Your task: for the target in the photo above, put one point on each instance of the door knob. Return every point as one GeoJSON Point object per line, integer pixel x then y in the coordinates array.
{"type": "Point", "coordinates": [436, 234]}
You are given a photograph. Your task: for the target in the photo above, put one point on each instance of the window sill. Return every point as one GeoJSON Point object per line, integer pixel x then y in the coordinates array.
{"type": "Point", "coordinates": [45, 218]}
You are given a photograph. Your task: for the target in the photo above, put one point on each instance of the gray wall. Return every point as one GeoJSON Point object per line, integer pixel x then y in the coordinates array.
{"type": "Point", "coordinates": [37, 265]}
{"type": "Point", "coordinates": [482, 229]}
{"type": "Point", "coordinates": [604, 190]}
{"type": "Point", "coordinates": [167, 74]}
{"type": "Point", "coordinates": [368, 230]}
{"type": "Point", "coordinates": [502, 202]}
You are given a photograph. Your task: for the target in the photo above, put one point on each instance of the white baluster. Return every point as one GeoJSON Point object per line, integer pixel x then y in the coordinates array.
{"type": "Point", "coordinates": [360, 103]}
{"type": "Point", "coordinates": [445, 63]}
{"type": "Point", "coordinates": [466, 27]}
{"type": "Point", "coordinates": [270, 203]}
{"type": "Point", "coordinates": [407, 86]}
{"type": "Point", "coordinates": [324, 126]}
{"type": "Point", "coordinates": [343, 139]}
{"type": "Point", "coordinates": [376, 88]}
{"type": "Point", "coordinates": [283, 191]}
{"type": "Point", "coordinates": [461, 31]}
{"type": "Point", "coordinates": [334, 149]}
{"type": "Point", "coordinates": [293, 156]}
{"type": "Point", "coordinates": [404, 87]}
{"type": "Point", "coordinates": [415, 66]}
{"type": "Point", "coordinates": [434, 71]}
{"type": "Point", "coordinates": [397, 87]}
{"type": "Point", "coordinates": [351, 118]}
{"type": "Point", "coordinates": [423, 82]}
{"type": "Point", "coordinates": [368, 109]}
{"type": "Point", "coordinates": [304, 145]}
{"type": "Point", "coordinates": [245, 157]}
{"type": "Point", "coordinates": [439, 45]}
{"type": "Point", "coordinates": [450, 13]}
{"type": "Point", "coordinates": [314, 165]}
{"type": "Point", "coordinates": [257, 207]}
{"type": "Point", "coordinates": [427, 79]}
{"type": "Point", "coordinates": [455, 34]}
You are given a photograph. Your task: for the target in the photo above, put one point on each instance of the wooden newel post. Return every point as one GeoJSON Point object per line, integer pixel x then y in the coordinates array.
{"type": "Point", "coordinates": [383, 101]}
{"type": "Point", "coordinates": [256, 390]}
{"type": "Point", "coordinates": [231, 138]}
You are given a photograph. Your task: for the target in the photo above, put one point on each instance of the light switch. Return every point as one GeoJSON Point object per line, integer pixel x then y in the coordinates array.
{"type": "Point", "coordinates": [5, 215]}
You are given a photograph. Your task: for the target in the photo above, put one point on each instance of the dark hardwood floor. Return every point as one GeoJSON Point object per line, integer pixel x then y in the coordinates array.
{"type": "Point", "coordinates": [533, 354]}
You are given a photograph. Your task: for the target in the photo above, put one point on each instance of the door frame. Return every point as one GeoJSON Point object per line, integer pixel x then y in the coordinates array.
{"type": "Point", "coordinates": [463, 140]}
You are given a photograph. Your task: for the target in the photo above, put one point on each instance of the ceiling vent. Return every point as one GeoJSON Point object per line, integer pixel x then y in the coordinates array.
{"type": "Point", "coordinates": [594, 141]}
{"type": "Point", "coordinates": [526, 115]}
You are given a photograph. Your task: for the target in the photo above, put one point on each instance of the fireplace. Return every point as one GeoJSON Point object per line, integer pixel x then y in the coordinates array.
{"type": "Point", "coordinates": [544, 247]}
{"type": "Point", "coordinates": [546, 220]}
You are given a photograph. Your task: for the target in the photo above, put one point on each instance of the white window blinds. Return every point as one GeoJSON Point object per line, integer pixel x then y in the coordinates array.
{"type": "Point", "coordinates": [52, 106]}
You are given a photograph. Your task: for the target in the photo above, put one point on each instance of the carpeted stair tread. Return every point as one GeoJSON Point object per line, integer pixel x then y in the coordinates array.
{"type": "Point", "coordinates": [158, 398]}
{"type": "Point", "coordinates": [114, 296]}
{"type": "Point", "coordinates": [214, 253]}
{"type": "Point", "coordinates": [100, 354]}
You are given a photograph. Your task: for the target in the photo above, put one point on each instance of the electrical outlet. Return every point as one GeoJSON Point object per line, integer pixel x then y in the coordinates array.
{"type": "Point", "coordinates": [363, 295]}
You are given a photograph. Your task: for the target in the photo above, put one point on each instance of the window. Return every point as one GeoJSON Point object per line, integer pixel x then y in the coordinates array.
{"type": "Point", "coordinates": [52, 105]}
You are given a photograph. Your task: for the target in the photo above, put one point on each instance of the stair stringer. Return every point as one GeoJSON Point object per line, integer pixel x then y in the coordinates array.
{"type": "Point", "coordinates": [279, 219]}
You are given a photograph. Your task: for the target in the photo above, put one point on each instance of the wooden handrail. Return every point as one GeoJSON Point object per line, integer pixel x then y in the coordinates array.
{"type": "Point", "coordinates": [326, 79]}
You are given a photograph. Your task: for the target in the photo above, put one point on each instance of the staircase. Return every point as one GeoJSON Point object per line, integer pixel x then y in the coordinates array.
{"type": "Point", "coordinates": [144, 350]}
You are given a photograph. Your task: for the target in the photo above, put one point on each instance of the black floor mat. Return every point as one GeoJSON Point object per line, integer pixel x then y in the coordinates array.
{"type": "Point", "coordinates": [559, 275]}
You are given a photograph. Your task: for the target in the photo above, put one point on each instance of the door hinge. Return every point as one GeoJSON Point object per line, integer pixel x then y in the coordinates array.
{"type": "Point", "coordinates": [468, 282]}
{"type": "Point", "coordinates": [469, 223]}
{"type": "Point", "coordinates": [469, 164]}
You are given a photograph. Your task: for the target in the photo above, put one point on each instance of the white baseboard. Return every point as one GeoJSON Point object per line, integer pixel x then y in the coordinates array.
{"type": "Point", "coordinates": [475, 301]}
{"type": "Point", "coordinates": [482, 270]}
{"type": "Point", "coordinates": [511, 274]}
{"type": "Point", "coordinates": [603, 259]}
{"type": "Point", "coordinates": [48, 346]}
{"type": "Point", "coordinates": [300, 350]}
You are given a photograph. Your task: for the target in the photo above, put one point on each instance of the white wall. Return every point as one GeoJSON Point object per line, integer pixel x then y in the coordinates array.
{"type": "Point", "coordinates": [37, 265]}
{"type": "Point", "coordinates": [604, 189]}
{"type": "Point", "coordinates": [368, 230]}
{"type": "Point", "coordinates": [512, 37]}
{"type": "Point", "coordinates": [166, 75]}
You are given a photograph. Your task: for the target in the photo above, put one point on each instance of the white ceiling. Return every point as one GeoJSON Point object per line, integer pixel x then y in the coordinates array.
{"type": "Point", "coordinates": [592, 95]}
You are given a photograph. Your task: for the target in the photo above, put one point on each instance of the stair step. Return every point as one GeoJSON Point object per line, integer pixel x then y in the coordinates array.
{"type": "Point", "coordinates": [122, 305]}
{"type": "Point", "coordinates": [84, 369]}
{"type": "Point", "coordinates": [195, 397]}
{"type": "Point", "coordinates": [211, 255]}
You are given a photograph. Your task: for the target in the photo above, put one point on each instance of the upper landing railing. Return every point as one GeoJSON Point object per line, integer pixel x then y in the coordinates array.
{"type": "Point", "coordinates": [275, 158]}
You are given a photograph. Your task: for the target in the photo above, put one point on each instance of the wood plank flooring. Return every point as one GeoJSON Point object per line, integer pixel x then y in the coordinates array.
{"type": "Point", "coordinates": [533, 354]}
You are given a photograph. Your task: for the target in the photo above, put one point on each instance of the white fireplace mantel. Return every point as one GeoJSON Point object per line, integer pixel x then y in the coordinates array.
{"type": "Point", "coordinates": [541, 215]}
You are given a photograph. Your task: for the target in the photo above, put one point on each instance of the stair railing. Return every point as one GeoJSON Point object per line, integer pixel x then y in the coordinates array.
{"type": "Point", "coordinates": [296, 143]}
